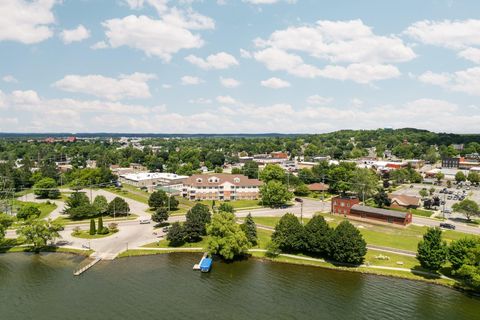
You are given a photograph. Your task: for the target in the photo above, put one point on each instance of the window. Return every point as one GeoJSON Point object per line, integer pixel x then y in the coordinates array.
{"type": "Point", "coordinates": [236, 180]}
{"type": "Point", "coordinates": [199, 180]}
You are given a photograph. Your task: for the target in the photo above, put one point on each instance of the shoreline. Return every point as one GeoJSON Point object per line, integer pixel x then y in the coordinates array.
{"type": "Point", "coordinates": [405, 275]}
{"type": "Point", "coordinates": [259, 255]}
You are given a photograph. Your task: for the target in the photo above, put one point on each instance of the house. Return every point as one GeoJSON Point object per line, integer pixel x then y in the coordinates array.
{"type": "Point", "coordinates": [343, 203]}
{"type": "Point", "coordinates": [221, 186]}
{"type": "Point", "coordinates": [279, 155]}
{"type": "Point", "coordinates": [402, 201]}
{"type": "Point", "coordinates": [318, 187]}
{"type": "Point", "coordinates": [381, 215]}
{"type": "Point", "coordinates": [153, 179]}
{"type": "Point", "coordinates": [450, 162]}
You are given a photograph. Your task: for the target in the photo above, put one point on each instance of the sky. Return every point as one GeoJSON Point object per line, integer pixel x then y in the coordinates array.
{"type": "Point", "coordinates": [239, 66]}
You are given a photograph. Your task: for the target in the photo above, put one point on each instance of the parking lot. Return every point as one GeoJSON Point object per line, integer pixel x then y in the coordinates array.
{"type": "Point", "coordinates": [452, 196]}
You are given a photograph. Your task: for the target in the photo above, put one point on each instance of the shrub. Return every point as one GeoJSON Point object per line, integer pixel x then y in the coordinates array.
{"type": "Point", "coordinates": [93, 230]}
{"type": "Point", "coordinates": [28, 211]}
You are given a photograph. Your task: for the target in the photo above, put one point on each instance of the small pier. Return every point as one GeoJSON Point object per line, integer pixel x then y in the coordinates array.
{"type": "Point", "coordinates": [85, 268]}
{"type": "Point", "coordinates": [197, 265]}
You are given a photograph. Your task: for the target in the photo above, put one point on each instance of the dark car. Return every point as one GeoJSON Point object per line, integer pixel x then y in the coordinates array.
{"type": "Point", "coordinates": [446, 225]}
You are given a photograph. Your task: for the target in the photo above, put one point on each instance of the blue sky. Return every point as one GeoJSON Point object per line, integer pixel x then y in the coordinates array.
{"type": "Point", "coordinates": [238, 66]}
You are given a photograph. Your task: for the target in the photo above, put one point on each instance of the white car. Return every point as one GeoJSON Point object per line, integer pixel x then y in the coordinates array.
{"type": "Point", "coordinates": [145, 221]}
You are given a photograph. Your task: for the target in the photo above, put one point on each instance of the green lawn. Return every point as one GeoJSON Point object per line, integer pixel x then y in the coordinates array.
{"type": "Point", "coordinates": [84, 234]}
{"type": "Point", "coordinates": [263, 239]}
{"type": "Point", "coordinates": [44, 207]}
{"type": "Point", "coordinates": [66, 220]}
{"type": "Point", "coordinates": [381, 235]}
{"type": "Point", "coordinates": [237, 204]}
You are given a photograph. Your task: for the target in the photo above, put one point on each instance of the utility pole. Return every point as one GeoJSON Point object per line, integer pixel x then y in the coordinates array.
{"type": "Point", "coordinates": [301, 212]}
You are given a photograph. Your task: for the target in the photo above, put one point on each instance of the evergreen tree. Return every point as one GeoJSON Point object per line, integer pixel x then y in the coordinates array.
{"type": "Point", "coordinates": [173, 204]}
{"type": "Point", "coordinates": [347, 244]}
{"type": "Point", "coordinates": [226, 207]}
{"type": "Point", "coordinates": [381, 199]}
{"type": "Point", "coordinates": [250, 229]}
{"type": "Point", "coordinates": [93, 230]}
{"type": "Point", "coordinates": [432, 251]}
{"type": "Point", "coordinates": [101, 229]}
{"type": "Point", "coordinates": [197, 218]}
{"type": "Point", "coordinates": [160, 215]}
{"type": "Point", "coordinates": [158, 199]}
{"type": "Point", "coordinates": [176, 235]}
{"type": "Point", "coordinates": [317, 233]}
{"type": "Point", "coordinates": [289, 234]}
{"type": "Point", "coordinates": [101, 204]}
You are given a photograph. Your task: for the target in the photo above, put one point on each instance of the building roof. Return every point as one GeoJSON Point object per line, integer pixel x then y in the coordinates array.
{"type": "Point", "coordinates": [216, 179]}
{"type": "Point", "coordinates": [404, 200]}
{"type": "Point", "coordinates": [318, 187]}
{"type": "Point", "coordinates": [379, 211]}
{"type": "Point", "coordinates": [152, 175]}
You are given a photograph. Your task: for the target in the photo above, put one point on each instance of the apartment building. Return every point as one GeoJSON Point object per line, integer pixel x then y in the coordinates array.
{"type": "Point", "coordinates": [221, 186]}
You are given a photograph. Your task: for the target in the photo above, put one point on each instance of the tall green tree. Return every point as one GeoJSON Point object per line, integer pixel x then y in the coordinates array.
{"type": "Point", "coordinates": [275, 194]}
{"type": "Point", "coordinates": [176, 235]}
{"type": "Point", "coordinates": [39, 233]}
{"type": "Point", "coordinates": [459, 249]}
{"type": "Point", "coordinates": [93, 229]}
{"type": "Point", "coordinates": [317, 234]}
{"type": "Point", "coordinates": [28, 211]}
{"type": "Point", "coordinates": [347, 244]}
{"type": "Point", "coordinates": [250, 169]}
{"type": "Point", "coordinates": [196, 220]}
{"type": "Point", "coordinates": [272, 172]}
{"type": "Point", "coordinates": [160, 215]}
{"type": "Point", "coordinates": [432, 250]}
{"type": "Point", "coordinates": [289, 234]}
{"type": "Point", "coordinates": [364, 183]}
{"type": "Point", "coordinates": [226, 238]}
{"type": "Point", "coordinates": [381, 199]}
{"type": "Point", "coordinates": [46, 188]}
{"type": "Point", "coordinates": [250, 229]}
{"type": "Point", "coordinates": [101, 204]}
{"type": "Point", "coordinates": [118, 207]}
{"type": "Point", "coordinates": [158, 199]}
{"type": "Point", "coordinates": [460, 176]}
{"type": "Point", "coordinates": [468, 207]}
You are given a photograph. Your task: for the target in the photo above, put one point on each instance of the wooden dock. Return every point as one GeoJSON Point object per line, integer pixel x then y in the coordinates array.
{"type": "Point", "coordinates": [88, 266]}
{"type": "Point", "coordinates": [196, 266]}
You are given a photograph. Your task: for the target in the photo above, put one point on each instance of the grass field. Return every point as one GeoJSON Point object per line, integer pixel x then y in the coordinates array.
{"type": "Point", "coordinates": [381, 235]}
{"type": "Point", "coordinates": [237, 204]}
{"type": "Point", "coordinates": [66, 220]}
{"type": "Point", "coordinates": [85, 234]}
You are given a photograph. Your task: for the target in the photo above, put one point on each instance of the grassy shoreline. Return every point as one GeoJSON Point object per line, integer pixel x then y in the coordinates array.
{"type": "Point", "coordinates": [52, 249]}
{"type": "Point", "coordinates": [325, 265]}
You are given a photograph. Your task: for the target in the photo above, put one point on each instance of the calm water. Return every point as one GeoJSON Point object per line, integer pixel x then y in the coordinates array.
{"type": "Point", "coordinates": [165, 287]}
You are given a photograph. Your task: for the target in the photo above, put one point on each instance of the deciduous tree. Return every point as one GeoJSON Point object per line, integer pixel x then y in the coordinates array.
{"type": "Point", "coordinates": [226, 238]}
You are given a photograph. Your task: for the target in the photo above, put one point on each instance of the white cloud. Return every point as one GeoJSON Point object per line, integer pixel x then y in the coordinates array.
{"type": "Point", "coordinates": [75, 35]}
{"type": "Point", "coordinates": [472, 54]}
{"type": "Point", "coordinates": [229, 82]}
{"type": "Point", "coordinates": [279, 60]}
{"type": "Point", "coordinates": [338, 42]}
{"type": "Point", "coordinates": [275, 83]}
{"type": "Point", "coordinates": [166, 86]}
{"type": "Point", "coordinates": [226, 100]}
{"type": "Point", "coordinates": [46, 115]}
{"type": "Point", "coordinates": [190, 80]}
{"type": "Point", "coordinates": [357, 103]}
{"type": "Point", "coordinates": [200, 101]}
{"type": "Point", "coordinates": [245, 54]}
{"type": "Point", "coordinates": [467, 81]}
{"type": "Point", "coordinates": [158, 37]}
{"type": "Point", "coordinates": [447, 33]}
{"type": "Point", "coordinates": [9, 79]}
{"type": "Point", "coordinates": [159, 5]}
{"type": "Point", "coordinates": [318, 100]}
{"type": "Point", "coordinates": [221, 60]}
{"type": "Point", "coordinates": [256, 2]}
{"type": "Point", "coordinates": [26, 21]}
{"type": "Point", "coordinates": [99, 45]}
{"type": "Point", "coordinates": [133, 86]}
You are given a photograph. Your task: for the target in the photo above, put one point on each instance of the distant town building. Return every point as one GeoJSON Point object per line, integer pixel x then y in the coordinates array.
{"type": "Point", "coordinates": [318, 187]}
{"type": "Point", "coordinates": [450, 162]}
{"type": "Point", "coordinates": [221, 186]}
{"type": "Point", "coordinates": [402, 201]}
{"type": "Point", "coordinates": [153, 179]}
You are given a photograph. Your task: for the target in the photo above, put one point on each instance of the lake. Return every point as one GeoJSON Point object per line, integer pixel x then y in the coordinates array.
{"type": "Point", "coordinates": [165, 287]}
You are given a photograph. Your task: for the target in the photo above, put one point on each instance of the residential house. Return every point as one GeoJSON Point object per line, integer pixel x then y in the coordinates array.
{"type": "Point", "coordinates": [402, 201]}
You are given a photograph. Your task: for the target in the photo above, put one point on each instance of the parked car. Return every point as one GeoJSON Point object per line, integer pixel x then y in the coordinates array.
{"type": "Point", "coordinates": [145, 221]}
{"type": "Point", "coordinates": [446, 225]}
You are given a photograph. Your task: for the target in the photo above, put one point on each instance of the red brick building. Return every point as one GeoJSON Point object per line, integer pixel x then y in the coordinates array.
{"type": "Point", "coordinates": [343, 204]}
{"type": "Point", "coordinates": [381, 215]}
